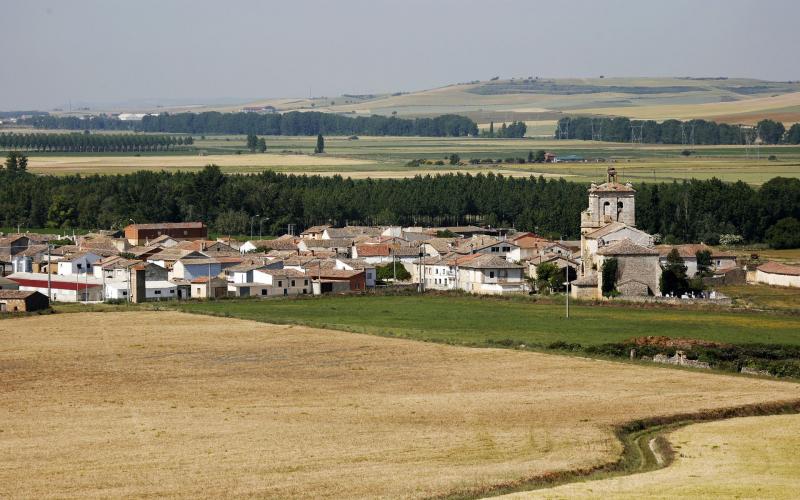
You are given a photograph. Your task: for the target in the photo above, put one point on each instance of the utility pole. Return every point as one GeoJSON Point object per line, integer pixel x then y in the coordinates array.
{"type": "Point", "coordinates": [49, 284]}
{"type": "Point", "coordinates": [251, 224]}
{"type": "Point", "coordinates": [568, 283]}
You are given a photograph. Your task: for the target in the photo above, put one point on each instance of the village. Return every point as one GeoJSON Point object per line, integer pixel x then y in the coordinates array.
{"type": "Point", "coordinates": [178, 261]}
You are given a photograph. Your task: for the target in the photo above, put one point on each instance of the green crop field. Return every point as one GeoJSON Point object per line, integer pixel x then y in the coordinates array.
{"type": "Point", "coordinates": [486, 321]}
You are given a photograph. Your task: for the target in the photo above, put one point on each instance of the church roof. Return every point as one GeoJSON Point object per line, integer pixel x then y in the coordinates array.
{"type": "Point", "coordinates": [611, 187]}
{"type": "Point", "coordinates": [626, 247]}
{"type": "Point", "coordinates": [609, 228]}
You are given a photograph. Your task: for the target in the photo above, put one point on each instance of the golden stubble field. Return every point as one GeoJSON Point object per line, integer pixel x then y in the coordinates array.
{"type": "Point", "coordinates": [169, 404]}
{"type": "Point", "coordinates": [753, 457]}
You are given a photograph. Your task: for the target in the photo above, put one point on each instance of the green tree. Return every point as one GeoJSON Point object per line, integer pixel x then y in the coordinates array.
{"type": "Point", "coordinates": [22, 163]}
{"type": "Point", "coordinates": [793, 136]}
{"type": "Point", "coordinates": [784, 234]}
{"type": "Point", "coordinates": [673, 275]}
{"type": "Point", "coordinates": [262, 145]}
{"type": "Point", "coordinates": [11, 161]}
{"type": "Point", "coordinates": [390, 270]}
{"type": "Point", "coordinates": [491, 129]}
{"type": "Point", "coordinates": [610, 270]}
{"type": "Point", "coordinates": [62, 212]}
{"type": "Point", "coordinates": [320, 144]}
{"type": "Point", "coordinates": [252, 142]}
{"type": "Point", "coordinates": [770, 131]}
{"type": "Point", "coordinates": [454, 159]}
{"type": "Point", "coordinates": [703, 263]}
{"type": "Point", "coordinates": [232, 222]}
{"type": "Point", "coordinates": [539, 156]}
{"type": "Point", "coordinates": [547, 277]}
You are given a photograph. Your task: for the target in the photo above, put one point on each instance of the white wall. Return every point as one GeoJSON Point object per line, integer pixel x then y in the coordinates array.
{"type": "Point", "coordinates": [774, 279]}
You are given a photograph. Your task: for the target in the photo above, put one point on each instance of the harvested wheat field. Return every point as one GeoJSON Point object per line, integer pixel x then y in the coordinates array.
{"type": "Point", "coordinates": [170, 404]}
{"type": "Point", "coordinates": [118, 164]}
{"type": "Point", "coordinates": [754, 457]}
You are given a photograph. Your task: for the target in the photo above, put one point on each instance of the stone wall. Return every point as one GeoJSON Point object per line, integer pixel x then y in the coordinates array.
{"type": "Point", "coordinates": [680, 359]}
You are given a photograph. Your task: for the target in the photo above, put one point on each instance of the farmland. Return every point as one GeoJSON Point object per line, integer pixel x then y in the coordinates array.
{"type": "Point", "coordinates": [165, 404]}
{"type": "Point", "coordinates": [486, 321]}
{"type": "Point", "coordinates": [384, 157]}
{"type": "Point", "coordinates": [754, 457]}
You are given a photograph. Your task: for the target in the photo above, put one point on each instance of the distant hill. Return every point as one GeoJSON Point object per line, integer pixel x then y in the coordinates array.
{"type": "Point", "coordinates": [540, 102]}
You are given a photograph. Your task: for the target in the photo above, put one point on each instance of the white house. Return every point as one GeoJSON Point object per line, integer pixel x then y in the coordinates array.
{"type": "Point", "coordinates": [491, 274]}
{"type": "Point", "coordinates": [271, 283]}
{"type": "Point", "coordinates": [719, 259]}
{"type": "Point", "coordinates": [78, 263]}
{"type": "Point", "coordinates": [154, 290]}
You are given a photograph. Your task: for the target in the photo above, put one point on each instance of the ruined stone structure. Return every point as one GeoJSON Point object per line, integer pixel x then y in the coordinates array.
{"type": "Point", "coordinates": [680, 359]}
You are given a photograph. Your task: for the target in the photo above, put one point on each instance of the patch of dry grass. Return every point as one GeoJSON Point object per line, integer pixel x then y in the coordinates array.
{"type": "Point", "coordinates": [168, 404]}
{"type": "Point", "coordinates": [754, 457]}
{"type": "Point", "coordinates": [124, 164]}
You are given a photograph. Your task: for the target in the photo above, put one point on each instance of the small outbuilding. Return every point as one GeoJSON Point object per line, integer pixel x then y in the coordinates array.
{"type": "Point", "coordinates": [22, 301]}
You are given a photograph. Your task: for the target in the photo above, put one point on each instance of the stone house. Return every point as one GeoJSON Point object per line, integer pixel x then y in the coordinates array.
{"type": "Point", "coordinates": [638, 270]}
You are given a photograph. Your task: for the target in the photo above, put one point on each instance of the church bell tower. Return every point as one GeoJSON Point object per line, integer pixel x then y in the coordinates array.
{"type": "Point", "coordinates": [609, 202]}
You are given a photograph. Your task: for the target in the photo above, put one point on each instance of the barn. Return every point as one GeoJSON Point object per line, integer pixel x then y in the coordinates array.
{"type": "Point", "coordinates": [22, 301]}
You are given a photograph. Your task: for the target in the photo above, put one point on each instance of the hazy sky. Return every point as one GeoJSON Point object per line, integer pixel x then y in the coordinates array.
{"type": "Point", "coordinates": [101, 51]}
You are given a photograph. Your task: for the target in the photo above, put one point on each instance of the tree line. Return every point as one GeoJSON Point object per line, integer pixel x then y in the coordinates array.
{"type": "Point", "coordinates": [514, 131]}
{"type": "Point", "coordinates": [688, 211]}
{"type": "Point", "coordinates": [292, 123]}
{"type": "Point", "coordinates": [94, 143]}
{"type": "Point", "coordinates": [692, 132]}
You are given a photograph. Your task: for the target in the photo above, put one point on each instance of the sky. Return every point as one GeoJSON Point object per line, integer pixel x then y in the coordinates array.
{"type": "Point", "coordinates": [213, 51]}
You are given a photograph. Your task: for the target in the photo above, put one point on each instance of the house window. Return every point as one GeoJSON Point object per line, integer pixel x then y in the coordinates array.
{"type": "Point", "coordinates": [495, 249]}
{"type": "Point", "coordinates": [292, 282]}
{"type": "Point", "coordinates": [305, 291]}
{"type": "Point", "coordinates": [506, 249]}
{"type": "Point", "coordinates": [185, 232]}
{"type": "Point", "coordinates": [80, 266]}
{"type": "Point", "coordinates": [264, 291]}
{"type": "Point", "coordinates": [172, 292]}
{"type": "Point", "coordinates": [280, 283]}
{"type": "Point", "coordinates": [124, 293]}
{"type": "Point", "coordinates": [491, 274]}
{"type": "Point", "coordinates": [305, 282]}
{"type": "Point", "coordinates": [158, 292]}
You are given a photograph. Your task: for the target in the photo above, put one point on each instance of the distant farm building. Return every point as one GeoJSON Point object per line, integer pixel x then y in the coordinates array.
{"type": "Point", "coordinates": [141, 234]}
{"type": "Point", "coordinates": [259, 109]}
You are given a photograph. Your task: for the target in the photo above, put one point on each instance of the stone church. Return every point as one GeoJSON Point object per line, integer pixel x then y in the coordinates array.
{"type": "Point", "coordinates": [608, 230]}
